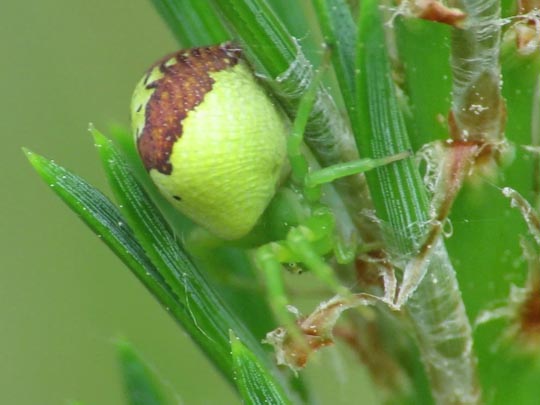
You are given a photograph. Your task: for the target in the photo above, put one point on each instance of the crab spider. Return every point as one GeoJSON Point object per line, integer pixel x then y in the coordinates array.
{"type": "Point", "coordinates": [218, 149]}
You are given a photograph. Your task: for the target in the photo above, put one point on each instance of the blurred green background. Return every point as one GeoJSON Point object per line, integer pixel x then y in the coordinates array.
{"type": "Point", "coordinates": [64, 296]}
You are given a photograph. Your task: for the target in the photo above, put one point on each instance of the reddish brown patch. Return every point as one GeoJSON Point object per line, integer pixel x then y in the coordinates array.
{"type": "Point", "coordinates": [525, 6]}
{"type": "Point", "coordinates": [527, 36]}
{"type": "Point", "coordinates": [298, 352]}
{"type": "Point", "coordinates": [529, 315]}
{"type": "Point", "coordinates": [368, 269]}
{"type": "Point", "coordinates": [433, 10]}
{"type": "Point", "coordinates": [179, 91]}
{"type": "Point", "coordinates": [486, 152]}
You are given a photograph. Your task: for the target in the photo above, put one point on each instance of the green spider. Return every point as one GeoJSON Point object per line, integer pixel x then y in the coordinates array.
{"type": "Point", "coordinates": [221, 152]}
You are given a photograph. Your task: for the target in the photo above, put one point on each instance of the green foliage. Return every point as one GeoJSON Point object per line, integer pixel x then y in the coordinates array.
{"type": "Point", "coordinates": [153, 255]}
{"type": "Point", "coordinates": [254, 383]}
{"type": "Point", "coordinates": [392, 85]}
{"type": "Point", "coordinates": [139, 382]}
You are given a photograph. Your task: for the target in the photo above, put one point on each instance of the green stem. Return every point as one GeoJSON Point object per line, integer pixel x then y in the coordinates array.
{"type": "Point", "coordinates": [193, 23]}
{"type": "Point", "coordinates": [478, 109]}
{"type": "Point", "coordinates": [535, 142]}
{"type": "Point", "coordinates": [435, 308]}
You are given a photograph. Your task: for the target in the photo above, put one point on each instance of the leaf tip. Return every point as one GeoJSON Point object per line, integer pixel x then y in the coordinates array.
{"type": "Point", "coordinates": [28, 153]}
{"type": "Point", "coordinates": [122, 345]}
{"type": "Point", "coordinates": [99, 139]}
{"type": "Point", "coordinates": [32, 157]}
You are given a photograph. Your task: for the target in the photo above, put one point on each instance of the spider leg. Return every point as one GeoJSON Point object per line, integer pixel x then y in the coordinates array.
{"type": "Point", "coordinates": [312, 240]}
{"type": "Point", "coordinates": [306, 245]}
{"type": "Point", "coordinates": [267, 258]}
{"type": "Point", "coordinates": [298, 241]}
{"type": "Point", "coordinates": [339, 170]}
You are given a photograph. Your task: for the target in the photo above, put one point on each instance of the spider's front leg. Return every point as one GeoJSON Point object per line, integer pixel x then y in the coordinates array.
{"type": "Point", "coordinates": [305, 245]}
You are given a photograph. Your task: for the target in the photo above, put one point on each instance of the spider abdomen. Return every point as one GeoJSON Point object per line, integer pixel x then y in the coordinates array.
{"type": "Point", "coordinates": [211, 139]}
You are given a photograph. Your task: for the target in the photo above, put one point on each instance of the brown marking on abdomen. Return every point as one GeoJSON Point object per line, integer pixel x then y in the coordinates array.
{"type": "Point", "coordinates": [179, 91]}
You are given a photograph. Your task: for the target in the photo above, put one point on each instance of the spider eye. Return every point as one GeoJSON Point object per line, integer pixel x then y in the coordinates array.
{"type": "Point", "coordinates": [210, 138]}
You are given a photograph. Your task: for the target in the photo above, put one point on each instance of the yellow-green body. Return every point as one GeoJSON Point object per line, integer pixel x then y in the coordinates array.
{"type": "Point", "coordinates": [230, 156]}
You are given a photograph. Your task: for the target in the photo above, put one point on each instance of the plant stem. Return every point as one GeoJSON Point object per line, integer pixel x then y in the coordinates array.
{"type": "Point", "coordinates": [478, 109]}
{"type": "Point", "coordinates": [193, 23]}
{"type": "Point", "coordinates": [435, 307]}
{"type": "Point", "coordinates": [535, 142]}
